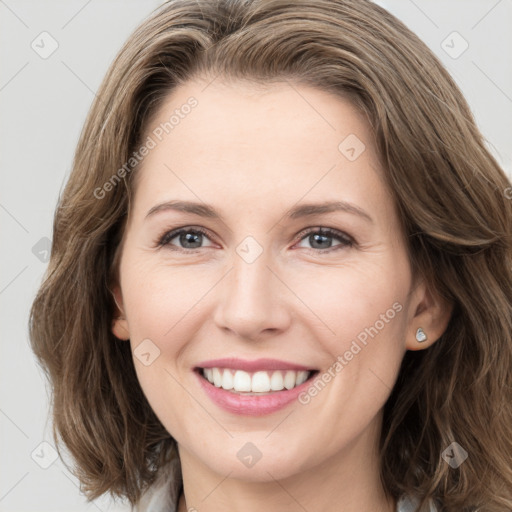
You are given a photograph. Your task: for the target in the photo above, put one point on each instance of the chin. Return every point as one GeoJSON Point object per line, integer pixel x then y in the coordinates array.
{"type": "Point", "coordinates": [247, 463]}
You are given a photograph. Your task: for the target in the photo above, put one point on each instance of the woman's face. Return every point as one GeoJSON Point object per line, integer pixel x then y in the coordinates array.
{"type": "Point", "coordinates": [260, 282]}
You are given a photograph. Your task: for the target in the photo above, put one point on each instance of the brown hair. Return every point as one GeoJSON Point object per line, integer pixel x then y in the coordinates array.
{"type": "Point", "coordinates": [449, 190]}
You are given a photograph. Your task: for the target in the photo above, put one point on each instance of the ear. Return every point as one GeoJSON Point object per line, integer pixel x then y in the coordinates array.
{"type": "Point", "coordinates": [432, 314]}
{"type": "Point", "coordinates": [119, 323]}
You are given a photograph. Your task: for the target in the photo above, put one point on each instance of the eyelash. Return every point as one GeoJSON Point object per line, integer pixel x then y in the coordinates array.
{"type": "Point", "coordinates": [347, 241]}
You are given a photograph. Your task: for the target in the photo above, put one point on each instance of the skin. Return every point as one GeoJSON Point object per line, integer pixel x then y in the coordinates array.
{"type": "Point", "coordinates": [253, 153]}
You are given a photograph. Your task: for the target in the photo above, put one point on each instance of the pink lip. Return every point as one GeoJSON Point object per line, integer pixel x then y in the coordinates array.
{"type": "Point", "coordinates": [251, 405]}
{"type": "Point", "coordinates": [252, 366]}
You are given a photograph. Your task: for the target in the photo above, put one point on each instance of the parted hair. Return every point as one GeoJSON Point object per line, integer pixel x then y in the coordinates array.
{"type": "Point", "coordinates": [452, 196]}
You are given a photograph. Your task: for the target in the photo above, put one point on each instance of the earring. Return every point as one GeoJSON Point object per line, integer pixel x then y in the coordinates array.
{"type": "Point", "coordinates": [420, 335]}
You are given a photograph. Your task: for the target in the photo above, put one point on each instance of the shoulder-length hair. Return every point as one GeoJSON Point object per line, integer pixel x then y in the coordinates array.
{"type": "Point", "coordinates": [454, 204]}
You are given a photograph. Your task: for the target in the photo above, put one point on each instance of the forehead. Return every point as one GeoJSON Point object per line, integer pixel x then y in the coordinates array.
{"type": "Point", "coordinates": [273, 143]}
{"type": "Point", "coordinates": [276, 115]}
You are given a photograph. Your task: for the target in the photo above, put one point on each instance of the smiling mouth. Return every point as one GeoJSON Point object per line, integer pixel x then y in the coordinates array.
{"type": "Point", "coordinates": [255, 383]}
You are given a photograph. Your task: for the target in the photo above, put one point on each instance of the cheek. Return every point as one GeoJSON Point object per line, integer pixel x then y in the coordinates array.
{"type": "Point", "coordinates": [354, 301]}
{"type": "Point", "coordinates": [159, 298]}
{"type": "Point", "coordinates": [365, 311]}
{"type": "Point", "coordinates": [161, 307]}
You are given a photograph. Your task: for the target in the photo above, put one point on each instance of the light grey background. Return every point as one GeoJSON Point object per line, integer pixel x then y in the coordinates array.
{"type": "Point", "coordinates": [43, 104]}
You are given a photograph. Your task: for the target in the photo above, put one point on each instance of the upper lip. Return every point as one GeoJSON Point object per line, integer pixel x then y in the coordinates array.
{"type": "Point", "coordinates": [252, 366]}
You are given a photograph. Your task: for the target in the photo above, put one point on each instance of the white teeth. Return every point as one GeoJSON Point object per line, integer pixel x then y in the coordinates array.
{"type": "Point", "coordinates": [217, 377]}
{"type": "Point", "coordinates": [227, 380]}
{"type": "Point", "coordinates": [257, 382]}
{"type": "Point", "coordinates": [290, 378]}
{"type": "Point", "coordinates": [260, 382]}
{"type": "Point", "coordinates": [276, 381]}
{"type": "Point", "coordinates": [242, 381]}
{"type": "Point", "coordinates": [302, 377]}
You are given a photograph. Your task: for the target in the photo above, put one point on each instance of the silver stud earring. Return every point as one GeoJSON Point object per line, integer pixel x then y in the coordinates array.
{"type": "Point", "coordinates": [420, 335]}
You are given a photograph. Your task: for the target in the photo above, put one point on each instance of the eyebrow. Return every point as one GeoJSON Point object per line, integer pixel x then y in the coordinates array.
{"type": "Point", "coordinates": [300, 211]}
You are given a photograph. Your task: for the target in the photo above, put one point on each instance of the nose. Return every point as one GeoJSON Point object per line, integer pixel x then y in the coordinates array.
{"type": "Point", "coordinates": [252, 303]}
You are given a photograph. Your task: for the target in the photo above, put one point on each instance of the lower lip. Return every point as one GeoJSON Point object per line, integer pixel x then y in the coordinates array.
{"type": "Point", "coordinates": [251, 405]}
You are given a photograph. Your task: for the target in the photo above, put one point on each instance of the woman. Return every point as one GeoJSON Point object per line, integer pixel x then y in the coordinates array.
{"type": "Point", "coordinates": [338, 335]}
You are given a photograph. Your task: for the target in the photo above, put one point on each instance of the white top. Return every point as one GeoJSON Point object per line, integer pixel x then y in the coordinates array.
{"type": "Point", "coordinates": [164, 494]}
